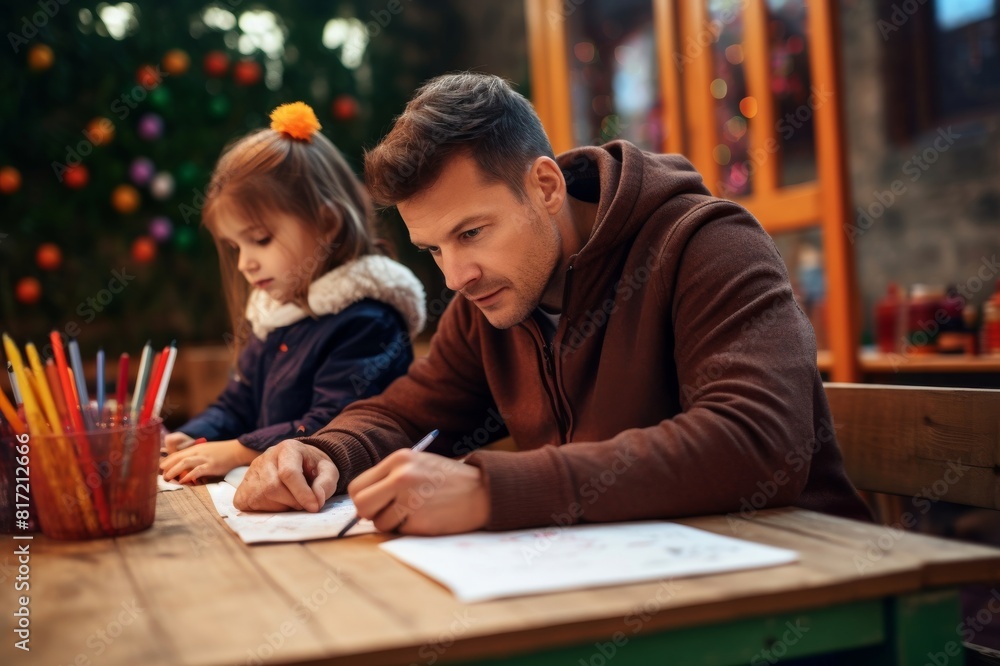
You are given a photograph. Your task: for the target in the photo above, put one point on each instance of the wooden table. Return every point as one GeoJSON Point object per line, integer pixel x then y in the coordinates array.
{"type": "Point", "coordinates": [188, 591]}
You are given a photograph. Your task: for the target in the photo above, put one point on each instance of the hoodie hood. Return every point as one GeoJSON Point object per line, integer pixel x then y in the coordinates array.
{"type": "Point", "coordinates": [628, 185]}
{"type": "Point", "coordinates": [371, 276]}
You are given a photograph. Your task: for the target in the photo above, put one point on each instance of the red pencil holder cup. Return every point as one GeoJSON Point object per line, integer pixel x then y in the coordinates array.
{"type": "Point", "coordinates": [17, 509]}
{"type": "Point", "coordinates": [95, 484]}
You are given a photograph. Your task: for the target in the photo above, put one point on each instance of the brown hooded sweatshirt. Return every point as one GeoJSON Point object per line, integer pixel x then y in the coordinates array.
{"type": "Point", "coordinates": [681, 379]}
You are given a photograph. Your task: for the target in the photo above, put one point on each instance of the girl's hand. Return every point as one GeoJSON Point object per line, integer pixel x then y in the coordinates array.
{"type": "Point", "coordinates": [176, 441]}
{"type": "Point", "coordinates": [208, 459]}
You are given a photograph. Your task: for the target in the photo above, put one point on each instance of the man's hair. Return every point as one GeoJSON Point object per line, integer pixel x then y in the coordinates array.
{"type": "Point", "coordinates": [476, 114]}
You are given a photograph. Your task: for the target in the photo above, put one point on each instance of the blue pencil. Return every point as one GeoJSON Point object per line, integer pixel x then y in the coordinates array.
{"type": "Point", "coordinates": [100, 382]}
{"type": "Point", "coordinates": [81, 382]}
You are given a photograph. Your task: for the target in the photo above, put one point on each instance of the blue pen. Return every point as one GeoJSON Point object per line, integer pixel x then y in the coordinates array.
{"type": "Point", "coordinates": [100, 382]}
{"type": "Point", "coordinates": [81, 383]}
{"type": "Point", "coordinates": [418, 447]}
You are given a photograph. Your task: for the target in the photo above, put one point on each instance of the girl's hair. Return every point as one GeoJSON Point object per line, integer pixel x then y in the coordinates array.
{"type": "Point", "coordinates": [268, 172]}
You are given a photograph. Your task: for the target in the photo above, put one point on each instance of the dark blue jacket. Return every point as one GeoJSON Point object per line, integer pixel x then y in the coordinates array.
{"type": "Point", "coordinates": [306, 373]}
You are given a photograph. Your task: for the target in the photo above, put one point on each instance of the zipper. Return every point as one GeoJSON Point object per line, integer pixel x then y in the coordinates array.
{"type": "Point", "coordinates": [551, 385]}
{"type": "Point", "coordinates": [557, 399]}
{"type": "Point", "coordinates": [567, 413]}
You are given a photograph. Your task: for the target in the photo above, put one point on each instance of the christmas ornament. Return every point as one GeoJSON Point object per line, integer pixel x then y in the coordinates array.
{"type": "Point", "coordinates": [40, 57]}
{"type": "Point", "coordinates": [218, 106]}
{"type": "Point", "coordinates": [184, 238]}
{"type": "Point", "coordinates": [160, 97]}
{"type": "Point", "coordinates": [76, 177]}
{"type": "Point", "coordinates": [48, 257]}
{"type": "Point", "coordinates": [100, 131]}
{"type": "Point", "coordinates": [247, 72]}
{"type": "Point", "coordinates": [150, 127]}
{"type": "Point", "coordinates": [143, 250]}
{"type": "Point", "coordinates": [345, 108]}
{"type": "Point", "coordinates": [187, 174]}
{"type": "Point", "coordinates": [10, 180]}
{"type": "Point", "coordinates": [162, 186]}
{"type": "Point", "coordinates": [141, 170]}
{"type": "Point", "coordinates": [175, 62]}
{"type": "Point", "coordinates": [28, 291]}
{"type": "Point", "coordinates": [125, 199]}
{"type": "Point", "coordinates": [148, 77]}
{"type": "Point", "coordinates": [216, 63]}
{"type": "Point", "coordinates": [161, 229]}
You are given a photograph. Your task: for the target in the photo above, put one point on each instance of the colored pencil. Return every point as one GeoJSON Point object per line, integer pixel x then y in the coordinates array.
{"type": "Point", "coordinates": [77, 423]}
{"type": "Point", "coordinates": [154, 386]}
{"type": "Point", "coordinates": [36, 422]}
{"type": "Point", "coordinates": [73, 405]}
{"type": "Point", "coordinates": [161, 393]}
{"type": "Point", "coordinates": [100, 383]}
{"type": "Point", "coordinates": [13, 384]}
{"type": "Point", "coordinates": [10, 413]}
{"type": "Point", "coordinates": [55, 385]}
{"type": "Point", "coordinates": [93, 508]}
{"type": "Point", "coordinates": [419, 446]}
{"type": "Point", "coordinates": [81, 382]}
{"type": "Point", "coordinates": [141, 379]}
{"type": "Point", "coordinates": [122, 386]}
{"type": "Point", "coordinates": [41, 386]}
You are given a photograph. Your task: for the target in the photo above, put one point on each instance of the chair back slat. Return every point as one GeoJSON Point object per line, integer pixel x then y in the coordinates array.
{"type": "Point", "coordinates": [936, 443]}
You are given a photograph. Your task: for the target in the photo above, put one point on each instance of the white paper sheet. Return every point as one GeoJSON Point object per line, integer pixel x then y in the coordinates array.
{"type": "Point", "coordinates": [162, 484]}
{"type": "Point", "coordinates": [255, 527]}
{"type": "Point", "coordinates": [235, 476]}
{"type": "Point", "coordinates": [482, 566]}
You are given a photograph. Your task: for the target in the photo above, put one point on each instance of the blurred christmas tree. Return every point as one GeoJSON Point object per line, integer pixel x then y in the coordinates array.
{"type": "Point", "coordinates": [111, 121]}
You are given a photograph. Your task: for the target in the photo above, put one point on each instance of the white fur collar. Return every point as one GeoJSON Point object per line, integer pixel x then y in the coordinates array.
{"type": "Point", "coordinates": [370, 276]}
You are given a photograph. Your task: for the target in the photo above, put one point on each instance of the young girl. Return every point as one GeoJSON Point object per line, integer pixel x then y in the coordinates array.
{"type": "Point", "coordinates": [321, 318]}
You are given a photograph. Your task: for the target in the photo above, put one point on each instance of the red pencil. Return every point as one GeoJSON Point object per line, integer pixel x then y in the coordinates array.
{"type": "Point", "coordinates": [154, 386]}
{"type": "Point", "coordinates": [69, 390]}
{"type": "Point", "coordinates": [55, 384]}
{"type": "Point", "coordinates": [122, 387]}
{"type": "Point", "coordinates": [76, 419]}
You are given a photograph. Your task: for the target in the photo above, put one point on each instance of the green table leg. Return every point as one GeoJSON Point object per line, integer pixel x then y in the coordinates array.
{"type": "Point", "coordinates": [754, 641]}
{"type": "Point", "coordinates": [922, 631]}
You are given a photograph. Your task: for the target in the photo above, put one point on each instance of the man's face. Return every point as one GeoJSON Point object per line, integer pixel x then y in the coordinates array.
{"type": "Point", "coordinates": [498, 252]}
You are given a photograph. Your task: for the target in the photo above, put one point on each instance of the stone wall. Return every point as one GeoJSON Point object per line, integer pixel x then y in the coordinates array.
{"type": "Point", "coordinates": [942, 223]}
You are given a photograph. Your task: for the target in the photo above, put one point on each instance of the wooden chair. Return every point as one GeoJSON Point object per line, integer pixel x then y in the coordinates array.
{"type": "Point", "coordinates": [942, 443]}
{"type": "Point", "coordinates": [923, 445]}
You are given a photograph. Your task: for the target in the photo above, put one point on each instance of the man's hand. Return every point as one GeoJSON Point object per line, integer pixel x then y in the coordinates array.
{"type": "Point", "coordinates": [290, 475]}
{"type": "Point", "coordinates": [422, 493]}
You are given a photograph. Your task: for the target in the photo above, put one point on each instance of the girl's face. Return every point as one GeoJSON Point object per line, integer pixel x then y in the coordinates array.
{"type": "Point", "coordinates": [278, 262]}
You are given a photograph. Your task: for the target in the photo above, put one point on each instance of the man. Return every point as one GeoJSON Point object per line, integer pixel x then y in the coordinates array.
{"type": "Point", "coordinates": [638, 338]}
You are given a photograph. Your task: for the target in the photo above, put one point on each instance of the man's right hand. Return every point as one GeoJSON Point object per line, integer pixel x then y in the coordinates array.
{"type": "Point", "coordinates": [290, 475]}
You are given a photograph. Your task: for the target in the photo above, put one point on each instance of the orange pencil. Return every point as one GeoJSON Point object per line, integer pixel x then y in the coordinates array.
{"type": "Point", "coordinates": [84, 454]}
{"type": "Point", "coordinates": [11, 414]}
{"type": "Point", "coordinates": [55, 385]}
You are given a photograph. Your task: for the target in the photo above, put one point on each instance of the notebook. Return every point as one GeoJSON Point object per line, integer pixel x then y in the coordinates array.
{"type": "Point", "coordinates": [258, 527]}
